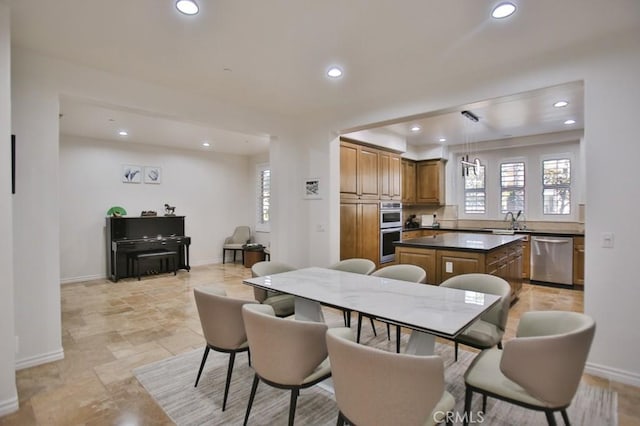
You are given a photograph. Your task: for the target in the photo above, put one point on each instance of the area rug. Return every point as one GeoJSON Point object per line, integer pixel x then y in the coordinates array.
{"type": "Point", "coordinates": [170, 382]}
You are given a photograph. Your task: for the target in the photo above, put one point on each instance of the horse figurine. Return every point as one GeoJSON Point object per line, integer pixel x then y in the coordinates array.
{"type": "Point", "coordinates": [169, 210]}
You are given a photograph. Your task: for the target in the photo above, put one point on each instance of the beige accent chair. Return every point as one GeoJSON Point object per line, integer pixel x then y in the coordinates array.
{"type": "Point", "coordinates": [241, 236]}
{"type": "Point", "coordinates": [357, 266]}
{"type": "Point", "coordinates": [540, 368]}
{"type": "Point", "coordinates": [403, 272]}
{"type": "Point", "coordinates": [282, 304]}
{"type": "Point", "coordinates": [375, 387]}
{"type": "Point", "coordinates": [222, 326]}
{"type": "Point", "coordinates": [488, 330]}
{"type": "Point", "coordinates": [286, 353]}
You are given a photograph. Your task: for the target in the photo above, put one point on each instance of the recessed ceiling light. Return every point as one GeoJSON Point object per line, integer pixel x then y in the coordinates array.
{"type": "Point", "coordinates": [442, 140]}
{"type": "Point", "coordinates": [561, 104]}
{"type": "Point", "coordinates": [206, 144]}
{"type": "Point", "coordinates": [415, 128]}
{"type": "Point", "coordinates": [334, 72]}
{"type": "Point", "coordinates": [188, 7]}
{"type": "Point", "coordinates": [503, 10]}
{"type": "Point", "coordinates": [123, 133]}
{"type": "Point", "coordinates": [570, 122]}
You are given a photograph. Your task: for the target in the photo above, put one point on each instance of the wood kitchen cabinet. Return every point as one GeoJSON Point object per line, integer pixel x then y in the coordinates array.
{"type": "Point", "coordinates": [526, 257]}
{"type": "Point", "coordinates": [359, 166]}
{"type": "Point", "coordinates": [408, 235]}
{"type": "Point", "coordinates": [430, 181]}
{"type": "Point", "coordinates": [504, 262]}
{"type": "Point", "coordinates": [360, 230]}
{"type": "Point", "coordinates": [389, 176]}
{"type": "Point", "coordinates": [426, 259]}
{"type": "Point", "coordinates": [408, 182]}
{"type": "Point", "coordinates": [452, 263]}
{"type": "Point", "coordinates": [578, 261]}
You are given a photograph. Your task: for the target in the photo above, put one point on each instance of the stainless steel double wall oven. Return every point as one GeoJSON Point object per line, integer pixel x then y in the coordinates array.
{"type": "Point", "coordinates": [390, 229]}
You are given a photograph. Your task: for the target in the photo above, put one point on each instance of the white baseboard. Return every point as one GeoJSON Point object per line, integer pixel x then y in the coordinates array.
{"type": "Point", "coordinates": [39, 359]}
{"type": "Point", "coordinates": [9, 406]}
{"type": "Point", "coordinates": [80, 279]}
{"type": "Point", "coordinates": [615, 374]}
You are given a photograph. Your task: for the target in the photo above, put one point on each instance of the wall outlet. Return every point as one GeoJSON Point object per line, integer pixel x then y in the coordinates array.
{"type": "Point", "coordinates": [448, 266]}
{"type": "Point", "coordinates": [607, 239]}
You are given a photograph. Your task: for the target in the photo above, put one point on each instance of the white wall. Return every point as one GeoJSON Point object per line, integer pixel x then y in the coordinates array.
{"type": "Point", "coordinates": [612, 292]}
{"type": "Point", "coordinates": [532, 156]}
{"type": "Point", "coordinates": [8, 394]}
{"type": "Point", "coordinates": [212, 190]}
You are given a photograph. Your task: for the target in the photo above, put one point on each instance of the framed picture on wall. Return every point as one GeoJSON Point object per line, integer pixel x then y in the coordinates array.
{"type": "Point", "coordinates": [312, 189]}
{"type": "Point", "coordinates": [131, 174]}
{"type": "Point", "coordinates": [152, 174]}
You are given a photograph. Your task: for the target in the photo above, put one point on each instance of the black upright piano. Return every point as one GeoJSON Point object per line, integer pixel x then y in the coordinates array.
{"type": "Point", "coordinates": [130, 235]}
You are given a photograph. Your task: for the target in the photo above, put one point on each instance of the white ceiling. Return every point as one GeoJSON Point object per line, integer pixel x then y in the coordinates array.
{"type": "Point", "coordinates": [272, 55]}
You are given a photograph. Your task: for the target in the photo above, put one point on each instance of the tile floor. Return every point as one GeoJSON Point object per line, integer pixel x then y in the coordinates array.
{"type": "Point", "coordinates": [109, 329]}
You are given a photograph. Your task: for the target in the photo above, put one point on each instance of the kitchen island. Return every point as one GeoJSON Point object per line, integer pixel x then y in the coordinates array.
{"type": "Point", "coordinates": [455, 253]}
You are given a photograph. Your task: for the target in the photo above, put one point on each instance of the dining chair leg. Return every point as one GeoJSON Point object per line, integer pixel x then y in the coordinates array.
{"type": "Point", "coordinates": [397, 339]}
{"type": "Point", "coordinates": [373, 327]}
{"type": "Point", "coordinates": [204, 360]}
{"type": "Point", "coordinates": [484, 403]}
{"type": "Point", "coordinates": [359, 327]}
{"type": "Point", "coordinates": [551, 419]}
{"type": "Point", "coordinates": [456, 350]}
{"type": "Point", "coordinates": [249, 357]}
{"type": "Point", "coordinates": [232, 357]}
{"type": "Point", "coordinates": [500, 344]}
{"type": "Point", "coordinates": [254, 386]}
{"type": "Point", "coordinates": [388, 332]}
{"type": "Point", "coordinates": [565, 417]}
{"type": "Point", "coordinates": [340, 421]}
{"type": "Point", "coordinates": [223, 251]}
{"type": "Point", "coordinates": [292, 405]}
{"type": "Point", "coordinates": [468, 394]}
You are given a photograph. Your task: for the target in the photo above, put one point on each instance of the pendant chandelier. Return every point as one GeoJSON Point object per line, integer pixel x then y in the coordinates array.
{"type": "Point", "coordinates": [473, 166]}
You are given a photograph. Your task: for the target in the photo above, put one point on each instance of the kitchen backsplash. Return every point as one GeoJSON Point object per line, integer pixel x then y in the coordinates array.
{"type": "Point", "coordinates": [447, 216]}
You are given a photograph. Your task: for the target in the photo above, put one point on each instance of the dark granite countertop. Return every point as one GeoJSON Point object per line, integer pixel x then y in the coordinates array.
{"type": "Point", "coordinates": [490, 231]}
{"type": "Point", "coordinates": [461, 241]}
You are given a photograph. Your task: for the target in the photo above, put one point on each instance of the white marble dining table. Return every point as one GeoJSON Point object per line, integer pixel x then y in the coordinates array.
{"type": "Point", "coordinates": [427, 310]}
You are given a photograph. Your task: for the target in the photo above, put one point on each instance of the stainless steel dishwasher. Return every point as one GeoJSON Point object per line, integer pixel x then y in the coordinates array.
{"type": "Point", "coordinates": [552, 259]}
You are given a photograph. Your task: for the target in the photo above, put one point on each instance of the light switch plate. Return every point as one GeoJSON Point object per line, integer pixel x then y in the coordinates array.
{"type": "Point", "coordinates": [607, 239]}
{"type": "Point", "coordinates": [448, 267]}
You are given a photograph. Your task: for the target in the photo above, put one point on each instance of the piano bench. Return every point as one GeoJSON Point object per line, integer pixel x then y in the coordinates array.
{"type": "Point", "coordinates": [161, 255]}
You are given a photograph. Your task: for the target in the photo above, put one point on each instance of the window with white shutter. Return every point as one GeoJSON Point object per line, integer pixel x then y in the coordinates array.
{"type": "Point", "coordinates": [512, 187]}
{"type": "Point", "coordinates": [475, 194]}
{"type": "Point", "coordinates": [556, 186]}
{"type": "Point", "coordinates": [264, 197]}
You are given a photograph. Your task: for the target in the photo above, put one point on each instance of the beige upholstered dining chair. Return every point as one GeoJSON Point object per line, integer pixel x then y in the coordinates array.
{"type": "Point", "coordinates": [375, 387]}
{"type": "Point", "coordinates": [403, 272]}
{"type": "Point", "coordinates": [540, 368]}
{"type": "Point", "coordinates": [488, 330]}
{"type": "Point", "coordinates": [286, 353]}
{"type": "Point", "coordinates": [357, 266]}
{"type": "Point", "coordinates": [222, 326]}
{"type": "Point", "coordinates": [241, 236]}
{"type": "Point", "coordinates": [282, 304]}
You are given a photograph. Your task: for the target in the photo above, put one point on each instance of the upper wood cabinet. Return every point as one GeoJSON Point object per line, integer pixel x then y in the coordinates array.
{"type": "Point", "coordinates": [430, 180]}
{"type": "Point", "coordinates": [408, 182]}
{"type": "Point", "coordinates": [358, 171]}
{"type": "Point", "coordinates": [389, 176]}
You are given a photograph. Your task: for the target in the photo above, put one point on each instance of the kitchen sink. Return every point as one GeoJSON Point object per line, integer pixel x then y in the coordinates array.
{"type": "Point", "coordinates": [500, 231]}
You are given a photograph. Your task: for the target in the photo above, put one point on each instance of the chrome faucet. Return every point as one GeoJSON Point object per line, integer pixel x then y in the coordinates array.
{"type": "Point", "coordinates": [513, 224]}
